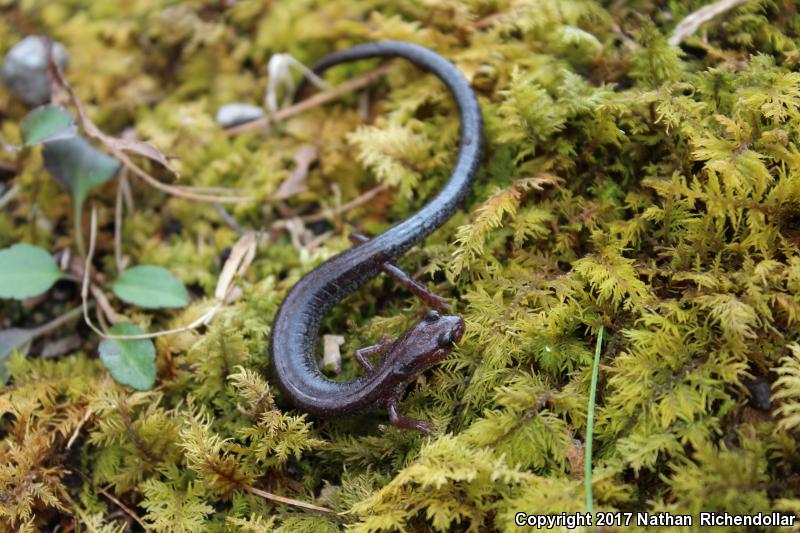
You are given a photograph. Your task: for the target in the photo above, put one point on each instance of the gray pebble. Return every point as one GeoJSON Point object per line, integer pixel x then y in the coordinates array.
{"type": "Point", "coordinates": [25, 69]}
{"type": "Point", "coordinates": [231, 115]}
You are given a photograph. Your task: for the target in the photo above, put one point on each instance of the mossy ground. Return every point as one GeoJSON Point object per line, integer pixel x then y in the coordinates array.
{"type": "Point", "coordinates": [650, 189]}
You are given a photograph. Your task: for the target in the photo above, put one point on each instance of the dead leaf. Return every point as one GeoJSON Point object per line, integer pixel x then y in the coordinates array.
{"type": "Point", "coordinates": [537, 182]}
{"type": "Point", "coordinates": [242, 254]}
{"type": "Point", "coordinates": [576, 456]}
{"type": "Point", "coordinates": [61, 346]}
{"type": "Point", "coordinates": [296, 182]}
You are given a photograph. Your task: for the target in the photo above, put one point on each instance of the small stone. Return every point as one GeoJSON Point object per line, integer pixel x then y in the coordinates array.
{"type": "Point", "coordinates": [759, 393]}
{"type": "Point", "coordinates": [25, 69]}
{"type": "Point", "coordinates": [231, 115]}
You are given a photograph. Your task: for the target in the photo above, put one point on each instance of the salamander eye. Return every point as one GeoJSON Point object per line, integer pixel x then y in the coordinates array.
{"type": "Point", "coordinates": [446, 340]}
{"type": "Point", "coordinates": [432, 316]}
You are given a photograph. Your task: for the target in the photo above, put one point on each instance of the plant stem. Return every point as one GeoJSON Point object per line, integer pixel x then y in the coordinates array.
{"type": "Point", "coordinates": [79, 230]}
{"type": "Point", "coordinates": [57, 322]}
{"type": "Point", "coordinates": [590, 421]}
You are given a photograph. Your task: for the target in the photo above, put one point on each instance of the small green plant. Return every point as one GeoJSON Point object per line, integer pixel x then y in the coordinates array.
{"type": "Point", "coordinates": [150, 287]}
{"type": "Point", "coordinates": [131, 362]}
{"type": "Point", "coordinates": [27, 271]}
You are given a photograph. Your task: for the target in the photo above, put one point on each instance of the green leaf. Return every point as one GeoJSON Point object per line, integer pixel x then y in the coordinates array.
{"type": "Point", "coordinates": [26, 271]}
{"type": "Point", "coordinates": [47, 123]}
{"type": "Point", "coordinates": [151, 287]}
{"type": "Point", "coordinates": [11, 340]}
{"type": "Point", "coordinates": [78, 166]}
{"type": "Point", "coordinates": [131, 362]}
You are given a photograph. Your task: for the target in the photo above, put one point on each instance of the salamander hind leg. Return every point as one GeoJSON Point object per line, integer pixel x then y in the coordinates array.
{"type": "Point", "coordinates": [419, 290]}
{"type": "Point", "coordinates": [406, 422]}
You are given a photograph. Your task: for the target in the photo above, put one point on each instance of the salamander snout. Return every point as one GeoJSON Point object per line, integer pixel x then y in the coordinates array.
{"type": "Point", "coordinates": [452, 328]}
{"type": "Point", "coordinates": [458, 327]}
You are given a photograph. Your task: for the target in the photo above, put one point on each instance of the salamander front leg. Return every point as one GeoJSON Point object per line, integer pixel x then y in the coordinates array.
{"type": "Point", "coordinates": [376, 349]}
{"type": "Point", "coordinates": [417, 289]}
{"type": "Point", "coordinates": [406, 422]}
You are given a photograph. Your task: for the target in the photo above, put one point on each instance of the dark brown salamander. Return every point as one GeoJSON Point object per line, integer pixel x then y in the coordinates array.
{"type": "Point", "coordinates": [296, 326]}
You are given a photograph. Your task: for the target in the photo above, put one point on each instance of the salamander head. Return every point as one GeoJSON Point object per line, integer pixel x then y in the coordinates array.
{"type": "Point", "coordinates": [424, 345]}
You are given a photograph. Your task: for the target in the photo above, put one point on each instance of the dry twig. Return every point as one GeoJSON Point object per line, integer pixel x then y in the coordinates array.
{"type": "Point", "coordinates": [116, 501]}
{"type": "Point", "coordinates": [689, 25]}
{"type": "Point", "coordinates": [118, 222]}
{"type": "Point", "coordinates": [288, 501]}
{"type": "Point", "coordinates": [316, 100]}
{"type": "Point", "coordinates": [355, 202]}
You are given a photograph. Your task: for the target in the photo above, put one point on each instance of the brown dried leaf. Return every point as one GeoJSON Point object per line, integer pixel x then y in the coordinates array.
{"type": "Point", "coordinates": [296, 182]}
{"type": "Point", "coordinates": [576, 456]}
{"type": "Point", "coordinates": [61, 346]}
{"type": "Point", "coordinates": [537, 182]}
{"type": "Point", "coordinates": [242, 254]}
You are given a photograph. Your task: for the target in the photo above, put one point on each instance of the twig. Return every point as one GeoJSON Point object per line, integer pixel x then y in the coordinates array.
{"type": "Point", "coordinates": [118, 224]}
{"type": "Point", "coordinates": [288, 501]}
{"type": "Point", "coordinates": [691, 22]}
{"type": "Point", "coordinates": [101, 319]}
{"type": "Point", "coordinates": [123, 507]}
{"type": "Point", "coordinates": [114, 499]}
{"type": "Point", "coordinates": [80, 512]}
{"type": "Point", "coordinates": [180, 192]}
{"type": "Point", "coordinates": [77, 431]}
{"type": "Point", "coordinates": [9, 196]}
{"type": "Point", "coordinates": [103, 304]}
{"type": "Point", "coordinates": [355, 202]}
{"type": "Point", "coordinates": [228, 218]}
{"type": "Point", "coordinates": [210, 190]}
{"type": "Point", "coordinates": [87, 266]}
{"type": "Point", "coordinates": [316, 100]}
{"type": "Point", "coordinates": [590, 422]}
{"type": "Point", "coordinates": [242, 263]}
{"type": "Point", "coordinates": [127, 194]}
{"type": "Point", "coordinates": [295, 225]}
{"type": "Point", "coordinates": [57, 322]}
{"type": "Point", "coordinates": [239, 260]}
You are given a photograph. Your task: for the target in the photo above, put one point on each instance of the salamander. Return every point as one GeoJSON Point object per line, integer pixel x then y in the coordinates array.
{"type": "Point", "coordinates": [296, 326]}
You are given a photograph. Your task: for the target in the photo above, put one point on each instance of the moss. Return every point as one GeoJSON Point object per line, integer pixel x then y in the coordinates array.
{"type": "Point", "coordinates": [650, 189]}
